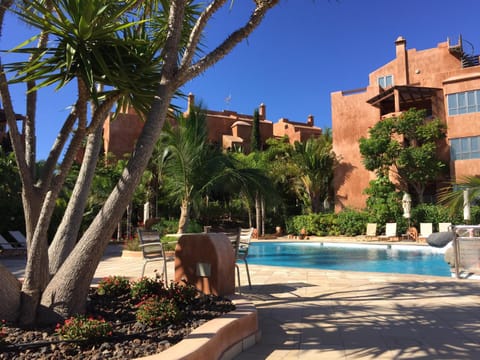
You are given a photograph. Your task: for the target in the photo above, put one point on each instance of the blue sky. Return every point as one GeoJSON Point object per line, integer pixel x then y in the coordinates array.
{"type": "Point", "coordinates": [303, 51]}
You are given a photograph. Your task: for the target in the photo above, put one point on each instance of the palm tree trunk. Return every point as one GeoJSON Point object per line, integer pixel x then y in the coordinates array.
{"type": "Point", "coordinates": [67, 232]}
{"type": "Point", "coordinates": [263, 215]}
{"type": "Point", "coordinates": [184, 216]}
{"type": "Point", "coordinates": [258, 213]}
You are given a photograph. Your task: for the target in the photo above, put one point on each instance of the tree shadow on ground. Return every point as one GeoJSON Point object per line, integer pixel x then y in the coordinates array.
{"type": "Point", "coordinates": [405, 319]}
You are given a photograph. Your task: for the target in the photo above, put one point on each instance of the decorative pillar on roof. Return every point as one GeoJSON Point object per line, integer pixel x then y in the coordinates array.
{"type": "Point", "coordinates": [262, 111]}
{"type": "Point", "coordinates": [310, 120]}
{"type": "Point", "coordinates": [402, 61]}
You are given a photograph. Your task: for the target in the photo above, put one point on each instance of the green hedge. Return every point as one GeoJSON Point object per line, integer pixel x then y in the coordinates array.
{"type": "Point", "coordinates": [353, 222]}
{"type": "Point", "coordinates": [348, 222]}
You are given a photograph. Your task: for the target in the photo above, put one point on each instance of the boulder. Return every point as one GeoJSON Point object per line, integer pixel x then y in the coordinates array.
{"type": "Point", "coordinates": [9, 295]}
{"type": "Point", "coordinates": [440, 239]}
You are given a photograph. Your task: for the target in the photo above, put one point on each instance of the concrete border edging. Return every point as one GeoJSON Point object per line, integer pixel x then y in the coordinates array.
{"type": "Point", "coordinates": [220, 338]}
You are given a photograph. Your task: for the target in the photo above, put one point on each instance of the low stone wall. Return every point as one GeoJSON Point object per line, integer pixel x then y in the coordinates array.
{"type": "Point", "coordinates": [222, 338]}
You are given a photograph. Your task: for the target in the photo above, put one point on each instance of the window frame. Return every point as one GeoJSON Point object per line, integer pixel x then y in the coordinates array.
{"type": "Point", "coordinates": [465, 148]}
{"type": "Point", "coordinates": [465, 102]}
{"type": "Point", "coordinates": [383, 79]}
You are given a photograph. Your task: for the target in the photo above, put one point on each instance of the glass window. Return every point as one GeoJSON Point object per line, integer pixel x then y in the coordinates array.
{"type": "Point", "coordinates": [454, 144]}
{"type": "Point", "coordinates": [471, 103]}
{"type": "Point", "coordinates": [452, 104]}
{"type": "Point", "coordinates": [475, 147]}
{"type": "Point", "coordinates": [385, 81]}
{"type": "Point", "coordinates": [464, 102]}
{"type": "Point", "coordinates": [388, 80]}
{"type": "Point", "coordinates": [465, 148]}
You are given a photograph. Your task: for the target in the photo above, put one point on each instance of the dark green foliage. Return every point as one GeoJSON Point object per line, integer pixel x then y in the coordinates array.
{"type": "Point", "coordinates": [437, 214]}
{"type": "Point", "coordinates": [352, 222]}
{"type": "Point", "coordinates": [405, 145]}
{"type": "Point", "coordinates": [146, 287]}
{"type": "Point", "coordinates": [113, 286]}
{"type": "Point", "coordinates": [383, 203]}
{"type": "Point", "coordinates": [157, 311]}
{"type": "Point", "coordinates": [10, 194]}
{"type": "Point", "coordinates": [256, 141]}
{"type": "Point", "coordinates": [345, 223]}
{"type": "Point", "coordinates": [170, 226]}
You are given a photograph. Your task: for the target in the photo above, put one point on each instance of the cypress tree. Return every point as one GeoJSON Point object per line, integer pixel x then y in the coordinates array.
{"type": "Point", "coordinates": [255, 142]}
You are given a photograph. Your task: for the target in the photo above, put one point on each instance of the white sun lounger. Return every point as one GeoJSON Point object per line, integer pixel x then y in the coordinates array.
{"type": "Point", "coordinates": [4, 244]}
{"type": "Point", "coordinates": [19, 237]}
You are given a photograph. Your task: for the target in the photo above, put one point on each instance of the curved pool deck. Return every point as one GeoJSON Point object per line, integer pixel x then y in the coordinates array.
{"type": "Point", "coordinates": [310, 314]}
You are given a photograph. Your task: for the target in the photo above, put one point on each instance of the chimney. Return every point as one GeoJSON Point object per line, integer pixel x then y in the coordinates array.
{"type": "Point", "coordinates": [402, 61]}
{"type": "Point", "coordinates": [310, 121]}
{"type": "Point", "coordinates": [262, 111]}
{"type": "Point", "coordinates": [191, 102]}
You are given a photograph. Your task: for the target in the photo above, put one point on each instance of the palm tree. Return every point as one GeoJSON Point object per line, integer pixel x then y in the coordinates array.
{"type": "Point", "coordinates": [92, 43]}
{"type": "Point", "coordinates": [193, 169]}
{"type": "Point", "coordinates": [315, 161]}
{"type": "Point", "coordinates": [452, 196]}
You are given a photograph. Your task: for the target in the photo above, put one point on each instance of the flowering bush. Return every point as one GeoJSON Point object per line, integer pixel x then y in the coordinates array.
{"type": "Point", "coordinates": [146, 287]}
{"type": "Point", "coordinates": [3, 333]}
{"type": "Point", "coordinates": [82, 328]}
{"type": "Point", "coordinates": [132, 244]}
{"type": "Point", "coordinates": [157, 311]}
{"type": "Point", "coordinates": [181, 294]}
{"type": "Point", "coordinates": [113, 286]}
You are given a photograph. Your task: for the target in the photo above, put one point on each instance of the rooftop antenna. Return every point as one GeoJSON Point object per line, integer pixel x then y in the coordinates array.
{"type": "Point", "coordinates": [228, 99]}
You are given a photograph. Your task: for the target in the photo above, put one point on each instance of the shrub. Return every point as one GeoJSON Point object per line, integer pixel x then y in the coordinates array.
{"type": "Point", "coordinates": [157, 311]}
{"type": "Point", "coordinates": [307, 222]}
{"type": "Point", "coordinates": [113, 286]}
{"type": "Point", "coordinates": [147, 287]}
{"type": "Point", "coordinates": [82, 328]}
{"type": "Point", "coordinates": [348, 222]}
{"type": "Point", "coordinates": [132, 244]}
{"type": "Point", "coordinates": [352, 222]}
{"type": "Point", "coordinates": [169, 243]}
{"type": "Point", "coordinates": [165, 226]}
{"type": "Point", "coordinates": [181, 294]}
{"type": "Point", "coordinates": [3, 333]}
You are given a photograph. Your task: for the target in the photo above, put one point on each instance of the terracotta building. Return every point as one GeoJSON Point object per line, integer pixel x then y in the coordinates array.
{"type": "Point", "coordinates": [445, 81]}
{"type": "Point", "coordinates": [226, 128]}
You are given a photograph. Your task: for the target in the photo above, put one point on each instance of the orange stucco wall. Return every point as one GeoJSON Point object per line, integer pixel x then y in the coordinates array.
{"type": "Point", "coordinates": [121, 133]}
{"type": "Point", "coordinates": [224, 128]}
{"type": "Point", "coordinates": [352, 116]}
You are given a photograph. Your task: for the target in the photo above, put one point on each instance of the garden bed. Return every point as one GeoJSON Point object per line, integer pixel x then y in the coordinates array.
{"type": "Point", "coordinates": [129, 338]}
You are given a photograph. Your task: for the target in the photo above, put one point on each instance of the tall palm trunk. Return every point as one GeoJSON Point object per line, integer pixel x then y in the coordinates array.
{"type": "Point", "coordinates": [67, 232]}
{"type": "Point", "coordinates": [263, 215]}
{"type": "Point", "coordinates": [258, 213]}
{"type": "Point", "coordinates": [184, 216]}
{"type": "Point", "coordinates": [66, 292]}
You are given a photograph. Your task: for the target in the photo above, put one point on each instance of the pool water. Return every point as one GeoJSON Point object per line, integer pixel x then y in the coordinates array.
{"type": "Point", "coordinates": [334, 256]}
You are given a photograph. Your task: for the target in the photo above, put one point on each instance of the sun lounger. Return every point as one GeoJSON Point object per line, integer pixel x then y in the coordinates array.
{"type": "Point", "coordinates": [19, 237]}
{"type": "Point", "coordinates": [390, 231]}
{"type": "Point", "coordinates": [425, 230]}
{"type": "Point", "coordinates": [371, 232]}
{"type": "Point", "coordinates": [444, 227]}
{"type": "Point", "coordinates": [5, 245]}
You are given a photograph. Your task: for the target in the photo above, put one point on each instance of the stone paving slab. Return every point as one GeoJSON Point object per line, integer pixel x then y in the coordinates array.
{"type": "Point", "coordinates": [311, 314]}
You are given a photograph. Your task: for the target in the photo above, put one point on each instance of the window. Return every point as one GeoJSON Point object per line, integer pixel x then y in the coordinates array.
{"type": "Point", "coordinates": [385, 81]}
{"type": "Point", "coordinates": [465, 148]}
{"type": "Point", "coordinates": [464, 102]}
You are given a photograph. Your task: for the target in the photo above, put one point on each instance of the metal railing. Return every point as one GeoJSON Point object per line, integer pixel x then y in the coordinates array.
{"type": "Point", "coordinates": [466, 247]}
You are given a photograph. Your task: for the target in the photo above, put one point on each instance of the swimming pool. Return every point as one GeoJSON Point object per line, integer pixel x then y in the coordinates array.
{"type": "Point", "coordinates": [403, 259]}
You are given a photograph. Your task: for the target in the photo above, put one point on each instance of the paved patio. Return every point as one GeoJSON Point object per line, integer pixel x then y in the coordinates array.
{"type": "Point", "coordinates": [311, 314]}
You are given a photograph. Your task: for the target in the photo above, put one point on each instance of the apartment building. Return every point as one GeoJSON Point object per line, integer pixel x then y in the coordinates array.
{"type": "Point", "coordinates": [226, 128]}
{"type": "Point", "coordinates": [445, 81]}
